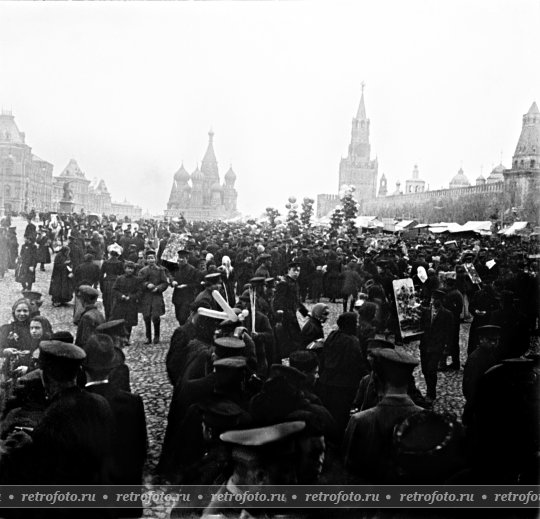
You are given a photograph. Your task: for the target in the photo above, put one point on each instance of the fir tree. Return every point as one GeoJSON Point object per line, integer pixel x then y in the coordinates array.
{"type": "Point", "coordinates": [336, 221]}
{"type": "Point", "coordinates": [350, 212]}
{"type": "Point", "coordinates": [307, 213]}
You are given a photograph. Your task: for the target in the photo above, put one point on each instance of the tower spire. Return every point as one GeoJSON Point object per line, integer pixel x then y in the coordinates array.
{"type": "Point", "coordinates": [361, 114]}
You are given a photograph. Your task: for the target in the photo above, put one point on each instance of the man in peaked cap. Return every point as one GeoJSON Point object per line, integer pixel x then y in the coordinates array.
{"type": "Point", "coordinates": [307, 362]}
{"type": "Point", "coordinates": [60, 362]}
{"type": "Point", "coordinates": [286, 391]}
{"type": "Point", "coordinates": [262, 332]}
{"type": "Point", "coordinates": [483, 303]}
{"type": "Point", "coordinates": [371, 389]}
{"type": "Point", "coordinates": [505, 420]}
{"type": "Point", "coordinates": [29, 393]}
{"type": "Point", "coordinates": [212, 281]}
{"type": "Point", "coordinates": [229, 347]}
{"type": "Point", "coordinates": [87, 272]}
{"type": "Point", "coordinates": [91, 317]}
{"type": "Point", "coordinates": [287, 300]}
{"type": "Point", "coordinates": [63, 336]}
{"type": "Point", "coordinates": [154, 282]}
{"type": "Point", "coordinates": [264, 456]}
{"type": "Point", "coordinates": [307, 268]}
{"type": "Point", "coordinates": [292, 375]}
{"type": "Point", "coordinates": [244, 268]}
{"type": "Point", "coordinates": [114, 329]}
{"type": "Point", "coordinates": [207, 459]}
{"type": "Point", "coordinates": [119, 377]}
{"type": "Point", "coordinates": [179, 352]}
{"type": "Point", "coordinates": [129, 441]}
{"type": "Point", "coordinates": [241, 344]}
{"type": "Point", "coordinates": [185, 282]}
{"type": "Point", "coordinates": [428, 448]}
{"type": "Point", "coordinates": [35, 299]}
{"type": "Point", "coordinates": [72, 442]}
{"type": "Point", "coordinates": [368, 437]}
{"type": "Point", "coordinates": [264, 262]}
{"type": "Point", "coordinates": [127, 292]}
{"type": "Point", "coordinates": [226, 380]}
{"type": "Point", "coordinates": [437, 324]}
{"type": "Point", "coordinates": [453, 301]}
{"type": "Point", "coordinates": [487, 355]}
{"type": "Point", "coordinates": [264, 289]}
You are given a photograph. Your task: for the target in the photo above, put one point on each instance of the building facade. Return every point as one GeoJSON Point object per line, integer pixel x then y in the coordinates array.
{"type": "Point", "coordinates": [505, 191]}
{"type": "Point", "coordinates": [522, 180]}
{"type": "Point", "coordinates": [415, 184]}
{"type": "Point", "coordinates": [89, 196]}
{"type": "Point", "coordinates": [73, 178]}
{"type": "Point", "coordinates": [357, 169]}
{"type": "Point", "coordinates": [124, 210]}
{"type": "Point", "coordinates": [99, 198]}
{"type": "Point", "coordinates": [25, 179]}
{"type": "Point", "coordinates": [27, 182]}
{"type": "Point", "coordinates": [201, 195]}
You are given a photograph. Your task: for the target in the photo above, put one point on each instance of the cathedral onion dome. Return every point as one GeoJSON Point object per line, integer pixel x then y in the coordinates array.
{"type": "Point", "coordinates": [216, 187]}
{"type": "Point", "coordinates": [197, 175]}
{"type": "Point", "coordinates": [480, 181]}
{"type": "Point", "coordinates": [230, 176]}
{"type": "Point", "coordinates": [181, 175]}
{"type": "Point", "coordinates": [459, 180]}
{"type": "Point", "coordinates": [496, 174]}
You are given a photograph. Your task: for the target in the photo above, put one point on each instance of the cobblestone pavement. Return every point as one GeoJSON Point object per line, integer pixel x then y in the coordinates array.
{"type": "Point", "coordinates": [147, 364]}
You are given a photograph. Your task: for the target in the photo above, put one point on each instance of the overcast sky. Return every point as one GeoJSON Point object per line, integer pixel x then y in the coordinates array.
{"type": "Point", "coordinates": [131, 89]}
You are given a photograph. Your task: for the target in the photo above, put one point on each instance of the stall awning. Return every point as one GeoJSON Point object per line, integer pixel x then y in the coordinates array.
{"type": "Point", "coordinates": [515, 228]}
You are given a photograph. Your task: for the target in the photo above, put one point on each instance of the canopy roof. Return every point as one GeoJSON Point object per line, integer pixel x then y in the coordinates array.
{"type": "Point", "coordinates": [515, 228]}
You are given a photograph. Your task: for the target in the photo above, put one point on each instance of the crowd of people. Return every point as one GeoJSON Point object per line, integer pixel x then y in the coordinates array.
{"type": "Point", "coordinates": [263, 392]}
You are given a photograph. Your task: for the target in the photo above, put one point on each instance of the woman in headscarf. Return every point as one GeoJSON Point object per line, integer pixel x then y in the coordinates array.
{"type": "Point", "coordinates": [313, 329]}
{"type": "Point", "coordinates": [40, 330]}
{"type": "Point", "coordinates": [16, 334]}
{"type": "Point", "coordinates": [228, 278]}
{"type": "Point", "coordinates": [61, 288]}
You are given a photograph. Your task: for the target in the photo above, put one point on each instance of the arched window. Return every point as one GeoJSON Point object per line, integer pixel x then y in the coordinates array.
{"type": "Point", "coordinates": [533, 163]}
{"type": "Point", "coordinates": [8, 191]}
